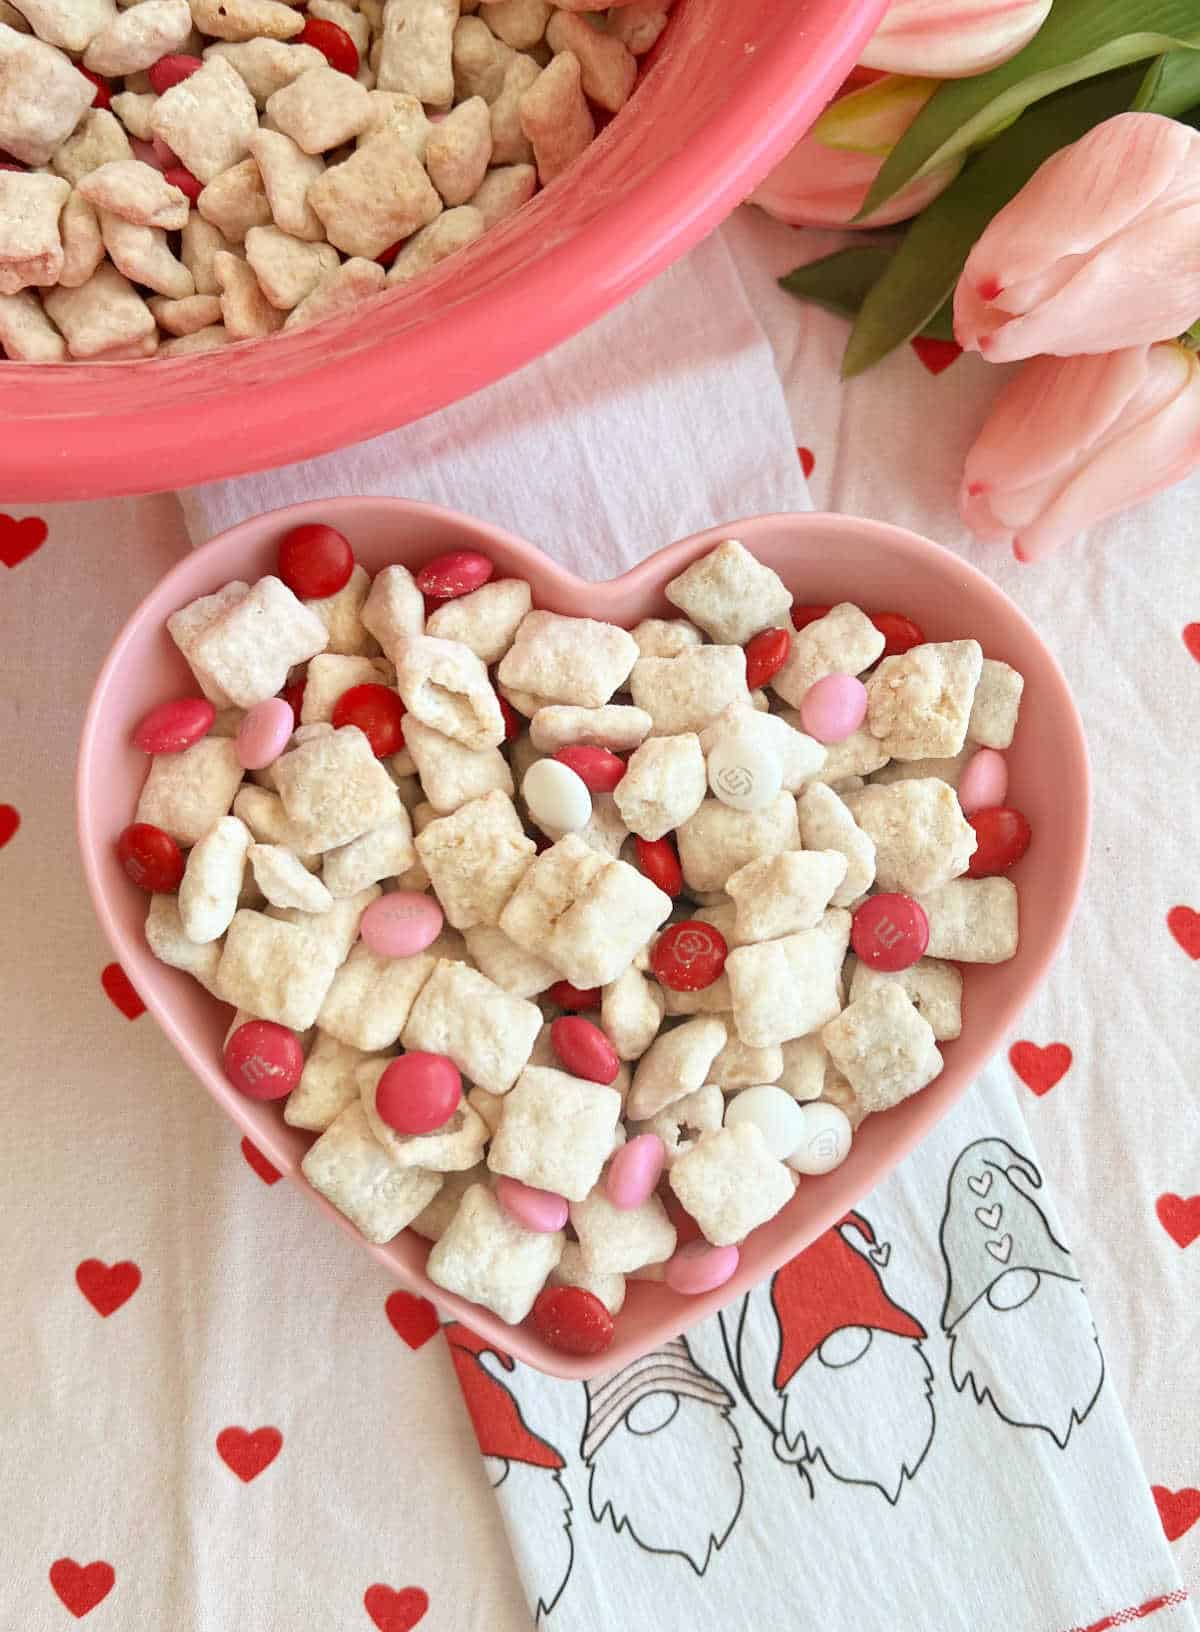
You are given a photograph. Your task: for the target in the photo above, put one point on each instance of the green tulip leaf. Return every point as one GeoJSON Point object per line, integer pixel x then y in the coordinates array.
{"type": "Point", "coordinates": [919, 278]}
{"type": "Point", "coordinates": [841, 283]}
{"type": "Point", "coordinates": [1171, 86]}
{"type": "Point", "coordinates": [1080, 40]}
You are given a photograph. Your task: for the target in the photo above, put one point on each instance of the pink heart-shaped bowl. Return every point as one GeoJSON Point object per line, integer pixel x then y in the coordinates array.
{"type": "Point", "coordinates": [822, 558]}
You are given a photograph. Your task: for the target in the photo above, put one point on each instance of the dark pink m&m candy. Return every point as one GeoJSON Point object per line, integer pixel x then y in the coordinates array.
{"type": "Point", "coordinates": [418, 1093]}
{"type": "Point", "coordinates": [264, 1060]}
{"type": "Point", "coordinates": [172, 727]}
{"type": "Point", "coordinates": [890, 932]}
{"type": "Point", "coordinates": [583, 1048]}
{"type": "Point", "coordinates": [457, 573]}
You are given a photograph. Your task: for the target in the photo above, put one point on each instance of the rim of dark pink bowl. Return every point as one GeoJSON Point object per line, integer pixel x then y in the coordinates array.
{"type": "Point", "coordinates": [666, 558]}
{"type": "Point", "coordinates": [337, 403]}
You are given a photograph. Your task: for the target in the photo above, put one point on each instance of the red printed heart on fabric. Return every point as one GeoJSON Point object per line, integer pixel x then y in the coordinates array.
{"type": "Point", "coordinates": [105, 1286]}
{"type": "Point", "coordinates": [414, 1319]}
{"type": "Point", "coordinates": [246, 1453]}
{"type": "Point", "coordinates": [10, 821]}
{"type": "Point", "coordinates": [936, 355]}
{"type": "Point", "coordinates": [808, 462]}
{"type": "Point", "coordinates": [1191, 639]}
{"type": "Point", "coordinates": [81, 1586]}
{"type": "Point", "coordinates": [1040, 1068]}
{"type": "Point", "coordinates": [1184, 924]}
{"type": "Point", "coordinates": [1178, 1509]}
{"type": "Point", "coordinates": [19, 539]}
{"type": "Point", "coordinates": [1180, 1217]}
{"type": "Point", "coordinates": [268, 1173]}
{"type": "Point", "coordinates": [395, 1611]}
{"type": "Point", "coordinates": [118, 988]}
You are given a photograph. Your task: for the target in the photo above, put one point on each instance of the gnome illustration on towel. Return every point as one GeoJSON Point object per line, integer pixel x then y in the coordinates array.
{"type": "Point", "coordinates": [664, 1456]}
{"type": "Point", "coordinates": [1019, 1326]}
{"type": "Point", "coordinates": [516, 1457]}
{"type": "Point", "coordinates": [836, 1366]}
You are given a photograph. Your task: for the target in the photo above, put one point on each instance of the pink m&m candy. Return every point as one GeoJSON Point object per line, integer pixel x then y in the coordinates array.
{"type": "Point", "coordinates": [584, 1049]}
{"type": "Point", "coordinates": [984, 781]}
{"type": "Point", "coordinates": [635, 1170]}
{"type": "Point", "coordinates": [700, 1268]}
{"type": "Point", "coordinates": [172, 727]}
{"type": "Point", "coordinates": [456, 573]}
{"type": "Point", "coordinates": [401, 924]}
{"type": "Point", "coordinates": [539, 1210]}
{"type": "Point", "coordinates": [418, 1093]}
{"type": "Point", "coordinates": [263, 1059]}
{"type": "Point", "coordinates": [832, 709]}
{"type": "Point", "coordinates": [890, 932]}
{"type": "Point", "coordinates": [264, 733]}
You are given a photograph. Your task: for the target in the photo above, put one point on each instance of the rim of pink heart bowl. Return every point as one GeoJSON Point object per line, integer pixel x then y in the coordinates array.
{"type": "Point", "coordinates": [728, 91]}
{"type": "Point", "coordinates": [823, 558]}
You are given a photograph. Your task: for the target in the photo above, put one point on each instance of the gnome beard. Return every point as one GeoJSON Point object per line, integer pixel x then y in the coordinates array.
{"type": "Point", "coordinates": [1029, 1350]}
{"type": "Point", "coordinates": [861, 1405]}
{"type": "Point", "coordinates": [542, 1540]}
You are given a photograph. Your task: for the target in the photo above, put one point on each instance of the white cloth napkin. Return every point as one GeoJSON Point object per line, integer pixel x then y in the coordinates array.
{"type": "Point", "coordinates": [911, 1425]}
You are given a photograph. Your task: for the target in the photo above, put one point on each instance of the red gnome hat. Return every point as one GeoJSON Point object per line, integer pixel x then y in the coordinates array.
{"type": "Point", "coordinates": [827, 1287]}
{"type": "Point", "coordinates": [494, 1413]}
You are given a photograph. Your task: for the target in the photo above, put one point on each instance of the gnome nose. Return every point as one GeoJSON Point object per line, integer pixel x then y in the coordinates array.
{"type": "Point", "coordinates": [1015, 1287]}
{"type": "Point", "coordinates": [845, 1346]}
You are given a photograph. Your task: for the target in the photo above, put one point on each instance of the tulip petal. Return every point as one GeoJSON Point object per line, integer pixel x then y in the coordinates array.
{"type": "Point", "coordinates": [819, 186]}
{"type": "Point", "coordinates": [1155, 447]}
{"type": "Point", "coordinates": [948, 39]}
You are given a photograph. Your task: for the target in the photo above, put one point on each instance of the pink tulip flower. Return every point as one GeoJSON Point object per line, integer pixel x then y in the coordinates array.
{"type": "Point", "coordinates": [1072, 440]}
{"type": "Point", "coordinates": [1096, 252]}
{"type": "Point", "coordinates": [949, 39]}
{"type": "Point", "coordinates": [827, 175]}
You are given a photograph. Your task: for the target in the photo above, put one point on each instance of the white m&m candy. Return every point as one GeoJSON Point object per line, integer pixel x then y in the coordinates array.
{"type": "Point", "coordinates": [556, 797]}
{"type": "Point", "coordinates": [775, 1114]}
{"type": "Point", "coordinates": [742, 773]}
{"type": "Point", "coordinates": [826, 1139]}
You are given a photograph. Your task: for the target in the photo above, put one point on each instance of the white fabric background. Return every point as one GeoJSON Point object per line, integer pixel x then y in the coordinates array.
{"type": "Point", "coordinates": [247, 1313]}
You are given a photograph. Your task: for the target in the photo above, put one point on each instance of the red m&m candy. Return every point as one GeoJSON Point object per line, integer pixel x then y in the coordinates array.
{"type": "Point", "coordinates": [457, 573]}
{"type": "Point", "coordinates": [899, 633]}
{"type": "Point", "coordinates": [172, 727]}
{"type": "Point", "coordinates": [584, 1049]}
{"type": "Point", "coordinates": [168, 71]}
{"type": "Point", "coordinates": [315, 561]}
{"type": "Point", "coordinates": [1003, 835]}
{"type": "Point", "coordinates": [103, 93]}
{"type": "Point", "coordinates": [418, 1093]}
{"type": "Point", "coordinates": [572, 1321]}
{"type": "Point", "coordinates": [334, 44]}
{"type": "Point", "coordinates": [765, 656]}
{"type": "Point", "coordinates": [802, 616]}
{"type": "Point", "coordinates": [513, 723]}
{"type": "Point", "coordinates": [659, 860]}
{"type": "Point", "coordinates": [688, 957]}
{"type": "Point", "coordinates": [597, 768]}
{"type": "Point", "coordinates": [890, 932]}
{"type": "Point", "coordinates": [573, 997]}
{"type": "Point", "coordinates": [264, 1060]}
{"type": "Point", "coordinates": [377, 712]}
{"type": "Point", "coordinates": [179, 176]}
{"type": "Point", "coordinates": [151, 858]}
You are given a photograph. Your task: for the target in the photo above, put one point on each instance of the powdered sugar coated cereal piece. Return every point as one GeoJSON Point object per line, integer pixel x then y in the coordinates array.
{"type": "Point", "coordinates": [212, 879]}
{"type": "Point", "coordinates": [676, 1062]}
{"type": "Point", "coordinates": [486, 620]}
{"type": "Point", "coordinates": [479, 60]}
{"type": "Point", "coordinates": [730, 1183]}
{"type": "Point", "coordinates": [919, 704]}
{"type": "Point", "coordinates": [844, 641]}
{"type": "Point", "coordinates": [503, 191]}
{"type": "Point", "coordinates": [946, 770]}
{"type": "Point", "coordinates": [475, 859]}
{"type": "Point", "coordinates": [973, 920]}
{"type": "Point", "coordinates": [334, 789]}
{"type": "Point", "coordinates": [42, 96]}
{"type": "Point", "coordinates": [778, 895]}
{"type": "Point", "coordinates": [371, 997]}
{"type": "Point", "coordinates": [519, 23]}
{"type": "Point", "coordinates": [997, 702]}
{"type": "Point", "coordinates": [338, 927]}
{"type": "Point", "coordinates": [416, 57]}
{"type": "Point", "coordinates": [827, 824]}
{"type": "Point", "coordinates": [572, 1271]}
{"type": "Point", "coordinates": [446, 687]}
{"type": "Point", "coordinates": [287, 172]}
{"type": "Point", "coordinates": [144, 256]}
{"type": "Point", "coordinates": [350, 1168]}
{"type": "Point", "coordinates": [607, 69]}
{"type": "Point", "coordinates": [138, 37]}
{"type": "Point", "coordinates": [285, 881]}
{"type": "Point", "coordinates": [208, 119]}
{"type": "Point", "coordinates": [26, 333]}
{"type": "Point", "coordinates": [618, 1240]}
{"type": "Point", "coordinates": [613, 726]}
{"type": "Point", "coordinates": [638, 25]}
{"type": "Point", "coordinates": [263, 813]}
{"type": "Point", "coordinates": [329, 675]}
{"type": "Point", "coordinates": [385, 852]}
{"type": "Point", "coordinates": [186, 316]}
{"type": "Point", "coordinates": [486, 1032]}
{"type": "Point", "coordinates": [514, 970]}
{"type": "Point", "coordinates": [805, 1064]}
{"type": "Point", "coordinates": [717, 840]}
{"type": "Point", "coordinates": [432, 1222]}
{"type": "Point", "coordinates": [135, 191]}
{"type": "Point", "coordinates": [31, 251]}
{"type": "Point", "coordinates": [320, 109]}
{"type": "Point", "coordinates": [556, 1132]}
{"type": "Point", "coordinates": [883, 1047]}
{"type": "Point", "coordinates": [488, 1258]}
{"type": "Point", "coordinates": [739, 1065]}
{"type": "Point", "coordinates": [327, 1085]}
{"type": "Point", "coordinates": [353, 281]}
{"type": "Point", "coordinates": [788, 987]}
{"type": "Point", "coordinates": [859, 754]}
{"type": "Point", "coordinates": [190, 622]}
{"type": "Point", "coordinates": [555, 116]}
{"type": "Point", "coordinates": [664, 784]}
{"type": "Point", "coordinates": [631, 1011]}
{"type": "Point", "coordinates": [728, 592]}
{"type": "Point", "coordinates": [70, 26]}
{"type": "Point", "coordinates": [394, 609]}
{"type": "Point", "coordinates": [688, 692]}
{"type": "Point", "coordinates": [198, 244]}
{"type": "Point", "coordinates": [666, 637]}
{"type": "Point", "coordinates": [246, 19]}
{"type": "Point", "coordinates": [921, 837]}
{"type": "Point", "coordinates": [450, 773]}
{"type": "Point", "coordinates": [933, 987]}
{"type": "Point", "coordinates": [251, 646]}
{"type": "Point", "coordinates": [682, 1122]}
{"type": "Point", "coordinates": [568, 660]}
{"type": "Point", "coordinates": [186, 793]}
{"type": "Point", "coordinates": [170, 943]}
{"type": "Point", "coordinates": [266, 65]}
{"type": "Point", "coordinates": [455, 1147]}
{"type": "Point", "coordinates": [275, 970]}
{"type": "Point", "coordinates": [458, 150]}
